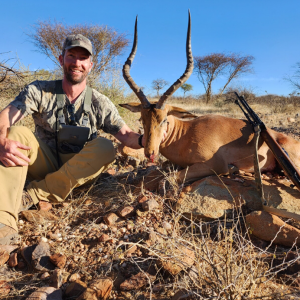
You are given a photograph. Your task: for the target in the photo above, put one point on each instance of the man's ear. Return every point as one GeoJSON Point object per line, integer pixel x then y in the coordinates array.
{"type": "Point", "coordinates": [180, 113]}
{"type": "Point", "coordinates": [61, 60]}
{"type": "Point", "coordinates": [132, 106]}
{"type": "Point", "coordinates": [91, 66]}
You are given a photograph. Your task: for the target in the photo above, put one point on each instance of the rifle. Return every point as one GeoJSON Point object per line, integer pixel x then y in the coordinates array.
{"type": "Point", "coordinates": [279, 152]}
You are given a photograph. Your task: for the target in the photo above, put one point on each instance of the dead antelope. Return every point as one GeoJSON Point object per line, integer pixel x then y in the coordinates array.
{"type": "Point", "coordinates": [207, 144]}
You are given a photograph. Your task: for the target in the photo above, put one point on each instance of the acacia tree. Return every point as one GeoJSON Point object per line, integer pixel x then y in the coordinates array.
{"type": "Point", "coordinates": [159, 84]}
{"type": "Point", "coordinates": [107, 43]}
{"type": "Point", "coordinates": [294, 79]}
{"type": "Point", "coordinates": [186, 88]}
{"type": "Point", "coordinates": [209, 67]}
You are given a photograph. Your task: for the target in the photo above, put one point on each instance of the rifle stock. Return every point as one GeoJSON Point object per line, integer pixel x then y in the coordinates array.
{"type": "Point", "coordinates": [284, 161]}
{"type": "Point", "coordinates": [280, 155]}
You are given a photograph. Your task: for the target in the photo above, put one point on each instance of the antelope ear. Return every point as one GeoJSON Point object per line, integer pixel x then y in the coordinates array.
{"type": "Point", "coordinates": [132, 106]}
{"type": "Point", "coordinates": [180, 113]}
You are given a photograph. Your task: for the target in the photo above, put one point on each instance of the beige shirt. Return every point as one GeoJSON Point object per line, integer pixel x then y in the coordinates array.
{"type": "Point", "coordinates": [39, 100]}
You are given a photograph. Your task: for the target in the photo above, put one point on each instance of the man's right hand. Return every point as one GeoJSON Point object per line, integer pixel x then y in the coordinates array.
{"type": "Point", "coordinates": [10, 156]}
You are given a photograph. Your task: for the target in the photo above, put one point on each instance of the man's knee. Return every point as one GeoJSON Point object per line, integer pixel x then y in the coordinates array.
{"type": "Point", "coordinates": [20, 134]}
{"type": "Point", "coordinates": [103, 149]}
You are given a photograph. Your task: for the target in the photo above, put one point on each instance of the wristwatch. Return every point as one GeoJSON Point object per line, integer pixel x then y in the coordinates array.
{"type": "Point", "coordinates": [140, 140]}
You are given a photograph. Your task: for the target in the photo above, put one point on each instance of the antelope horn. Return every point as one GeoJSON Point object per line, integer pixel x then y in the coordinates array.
{"type": "Point", "coordinates": [126, 71]}
{"type": "Point", "coordinates": [187, 73]}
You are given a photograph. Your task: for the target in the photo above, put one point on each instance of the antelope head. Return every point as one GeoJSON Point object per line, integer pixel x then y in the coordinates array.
{"type": "Point", "coordinates": [154, 114]}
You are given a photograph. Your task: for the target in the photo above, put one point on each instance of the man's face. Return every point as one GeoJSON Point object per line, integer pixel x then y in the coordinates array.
{"type": "Point", "coordinates": [76, 64]}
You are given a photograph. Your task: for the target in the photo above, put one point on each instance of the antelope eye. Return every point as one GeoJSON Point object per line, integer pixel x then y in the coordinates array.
{"type": "Point", "coordinates": [163, 122]}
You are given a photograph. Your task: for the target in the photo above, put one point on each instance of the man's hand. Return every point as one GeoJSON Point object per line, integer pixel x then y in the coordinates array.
{"type": "Point", "coordinates": [10, 156]}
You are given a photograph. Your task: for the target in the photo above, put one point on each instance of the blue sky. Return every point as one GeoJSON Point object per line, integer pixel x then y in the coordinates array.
{"type": "Point", "coordinates": [267, 30]}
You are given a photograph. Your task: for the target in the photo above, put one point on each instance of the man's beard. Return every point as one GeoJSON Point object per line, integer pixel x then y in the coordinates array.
{"type": "Point", "coordinates": [74, 80]}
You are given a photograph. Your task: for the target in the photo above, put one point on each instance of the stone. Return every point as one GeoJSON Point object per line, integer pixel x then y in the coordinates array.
{"type": "Point", "coordinates": [38, 216]}
{"type": "Point", "coordinates": [150, 205]}
{"type": "Point", "coordinates": [13, 260]}
{"type": "Point", "coordinates": [4, 288]}
{"type": "Point", "coordinates": [131, 250]}
{"type": "Point", "coordinates": [152, 238]}
{"type": "Point", "coordinates": [8, 248]}
{"type": "Point", "coordinates": [102, 286]}
{"type": "Point", "coordinates": [41, 258]}
{"type": "Point", "coordinates": [74, 277]}
{"type": "Point", "coordinates": [183, 295]}
{"type": "Point", "coordinates": [126, 212]}
{"type": "Point", "coordinates": [177, 260]}
{"type": "Point", "coordinates": [88, 294]}
{"type": "Point", "coordinates": [4, 257]}
{"type": "Point", "coordinates": [58, 278]}
{"type": "Point", "coordinates": [45, 275]}
{"type": "Point", "coordinates": [104, 238]}
{"type": "Point", "coordinates": [152, 179]}
{"type": "Point", "coordinates": [137, 281]}
{"type": "Point", "coordinates": [26, 253]}
{"type": "Point", "coordinates": [74, 290]}
{"type": "Point", "coordinates": [46, 293]}
{"type": "Point", "coordinates": [268, 227]}
{"type": "Point", "coordinates": [213, 197]}
{"type": "Point", "coordinates": [142, 199]}
{"type": "Point", "coordinates": [129, 152]}
{"type": "Point", "coordinates": [111, 219]}
{"type": "Point", "coordinates": [58, 260]}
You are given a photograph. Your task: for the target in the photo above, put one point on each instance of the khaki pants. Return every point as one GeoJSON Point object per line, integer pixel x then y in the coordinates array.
{"type": "Point", "coordinates": [50, 182]}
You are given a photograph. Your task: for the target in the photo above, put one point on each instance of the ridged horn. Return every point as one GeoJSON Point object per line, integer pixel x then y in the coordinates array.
{"type": "Point", "coordinates": [126, 71]}
{"type": "Point", "coordinates": [187, 73]}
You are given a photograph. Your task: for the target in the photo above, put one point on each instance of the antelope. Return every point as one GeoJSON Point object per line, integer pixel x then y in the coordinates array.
{"type": "Point", "coordinates": [202, 145]}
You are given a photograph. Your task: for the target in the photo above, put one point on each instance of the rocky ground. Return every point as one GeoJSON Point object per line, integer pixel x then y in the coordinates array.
{"type": "Point", "coordinates": [115, 240]}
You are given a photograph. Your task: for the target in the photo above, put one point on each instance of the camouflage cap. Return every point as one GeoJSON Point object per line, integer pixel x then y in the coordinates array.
{"type": "Point", "coordinates": [78, 40]}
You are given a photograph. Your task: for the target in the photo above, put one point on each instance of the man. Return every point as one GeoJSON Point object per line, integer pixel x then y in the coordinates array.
{"type": "Point", "coordinates": [55, 162]}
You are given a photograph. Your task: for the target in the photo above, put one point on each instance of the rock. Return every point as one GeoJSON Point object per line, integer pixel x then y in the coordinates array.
{"type": "Point", "coordinates": [58, 260]}
{"type": "Point", "coordinates": [268, 227]}
{"type": "Point", "coordinates": [142, 199]}
{"type": "Point", "coordinates": [137, 281]}
{"type": "Point", "coordinates": [131, 250]}
{"type": "Point", "coordinates": [150, 205]}
{"type": "Point", "coordinates": [152, 179]}
{"type": "Point", "coordinates": [58, 278]}
{"type": "Point", "coordinates": [46, 293]}
{"type": "Point", "coordinates": [102, 286]}
{"type": "Point", "coordinates": [179, 259]}
{"type": "Point", "coordinates": [4, 288]}
{"type": "Point", "coordinates": [129, 152]}
{"type": "Point", "coordinates": [4, 257]}
{"type": "Point", "coordinates": [74, 277]}
{"type": "Point", "coordinates": [132, 161]}
{"type": "Point", "coordinates": [74, 290]}
{"type": "Point", "coordinates": [38, 216]}
{"type": "Point", "coordinates": [13, 260]}
{"type": "Point", "coordinates": [111, 219]}
{"type": "Point", "coordinates": [111, 171]}
{"type": "Point", "coordinates": [126, 212]}
{"type": "Point", "coordinates": [183, 295]}
{"type": "Point", "coordinates": [167, 225]}
{"type": "Point", "coordinates": [45, 275]}
{"type": "Point", "coordinates": [26, 253]}
{"type": "Point", "coordinates": [209, 198]}
{"type": "Point", "coordinates": [8, 248]}
{"type": "Point", "coordinates": [291, 120]}
{"type": "Point", "coordinates": [152, 238]}
{"type": "Point", "coordinates": [41, 258]}
{"type": "Point", "coordinates": [104, 238]}
{"type": "Point", "coordinates": [88, 294]}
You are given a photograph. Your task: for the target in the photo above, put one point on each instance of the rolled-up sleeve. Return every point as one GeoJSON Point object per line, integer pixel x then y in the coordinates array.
{"type": "Point", "coordinates": [28, 100]}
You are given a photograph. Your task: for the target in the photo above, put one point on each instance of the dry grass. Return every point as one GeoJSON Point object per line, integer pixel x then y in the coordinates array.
{"type": "Point", "coordinates": [227, 263]}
